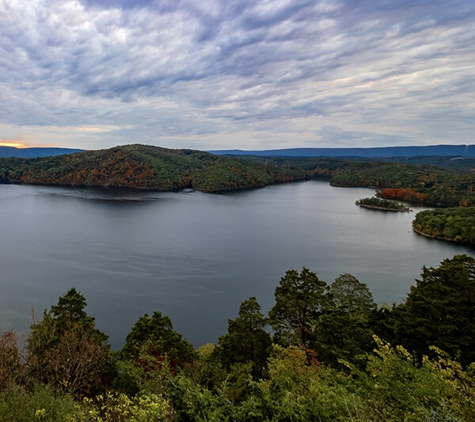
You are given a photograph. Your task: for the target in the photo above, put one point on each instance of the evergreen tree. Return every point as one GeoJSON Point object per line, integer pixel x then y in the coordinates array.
{"type": "Point", "coordinates": [155, 334]}
{"type": "Point", "coordinates": [299, 298]}
{"type": "Point", "coordinates": [246, 340]}
{"type": "Point", "coordinates": [440, 310]}
{"type": "Point", "coordinates": [70, 309]}
{"type": "Point", "coordinates": [343, 331]}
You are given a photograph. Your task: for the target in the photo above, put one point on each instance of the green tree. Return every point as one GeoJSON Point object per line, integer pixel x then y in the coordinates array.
{"type": "Point", "coordinates": [342, 331]}
{"type": "Point", "coordinates": [153, 350]}
{"type": "Point", "coordinates": [397, 388]}
{"type": "Point", "coordinates": [300, 392]}
{"type": "Point", "coordinates": [440, 310]}
{"type": "Point", "coordinates": [207, 370]}
{"type": "Point", "coordinates": [349, 293]}
{"type": "Point", "coordinates": [65, 350]}
{"type": "Point", "coordinates": [383, 321]}
{"type": "Point", "coordinates": [299, 300]}
{"type": "Point", "coordinates": [70, 309]}
{"type": "Point", "coordinates": [246, 340]}
{"type": "Point", "coordinates": [156, 334]}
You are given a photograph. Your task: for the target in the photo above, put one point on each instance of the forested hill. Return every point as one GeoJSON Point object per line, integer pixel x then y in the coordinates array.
{"type": "Point", "coordinates": [149, 167]}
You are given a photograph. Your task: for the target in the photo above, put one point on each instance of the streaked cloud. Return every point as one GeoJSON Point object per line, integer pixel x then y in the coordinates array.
{"type": "Point", "coordinates": [237, 74]}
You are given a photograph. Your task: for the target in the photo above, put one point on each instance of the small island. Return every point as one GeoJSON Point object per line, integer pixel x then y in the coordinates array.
{"type": "Point", "coordinates": [381, 204]}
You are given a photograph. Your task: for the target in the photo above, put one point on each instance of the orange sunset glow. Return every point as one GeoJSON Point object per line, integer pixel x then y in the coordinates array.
{"type": "Point", "coordinates": [20, 144]}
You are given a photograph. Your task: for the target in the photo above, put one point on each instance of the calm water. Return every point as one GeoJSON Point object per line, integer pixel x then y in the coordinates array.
{"type": "Point", "coordinates": [194, 256]}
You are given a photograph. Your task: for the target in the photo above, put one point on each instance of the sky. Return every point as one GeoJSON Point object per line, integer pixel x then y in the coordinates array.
{"type": "Point", "coordinates": [248, 74]}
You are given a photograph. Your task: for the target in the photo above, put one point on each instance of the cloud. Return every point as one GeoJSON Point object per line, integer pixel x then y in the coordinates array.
{"type": "Point", "coordinates": [214, 74]}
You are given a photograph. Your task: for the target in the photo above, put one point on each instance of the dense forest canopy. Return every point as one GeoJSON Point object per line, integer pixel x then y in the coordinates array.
{"type": "Point", "coordinates": [333, 355]}
{"type": "Point", "coordinates": [456, 224]}
{"type": "Point", "coordinates": [426, 184]}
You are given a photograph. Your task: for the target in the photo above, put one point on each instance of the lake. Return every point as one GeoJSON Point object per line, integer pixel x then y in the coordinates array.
{"type": "Point", "coordinates": [195, 257]}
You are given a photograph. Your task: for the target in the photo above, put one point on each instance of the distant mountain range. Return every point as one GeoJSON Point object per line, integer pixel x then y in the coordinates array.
{"type": "Point", "coordinates": [411, 151]}
{"type": "Point", "coordinates": [6, 152]}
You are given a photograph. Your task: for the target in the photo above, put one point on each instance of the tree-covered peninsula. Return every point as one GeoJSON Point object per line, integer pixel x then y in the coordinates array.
{"type": "Point", "coordinates": [455, 224]}
{"type": "Point", "coordinates": [422, 183]}
{"type": "Point", "coordinates": [325, 352]}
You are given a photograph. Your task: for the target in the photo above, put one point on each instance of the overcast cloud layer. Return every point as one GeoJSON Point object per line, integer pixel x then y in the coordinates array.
{"type": "Point", "coordinates": [245, 74]}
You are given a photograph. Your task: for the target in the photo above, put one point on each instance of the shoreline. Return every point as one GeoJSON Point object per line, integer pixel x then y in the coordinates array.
{"type": "Point", "coordinates": [374, 207]}
{"type": "Point", "coordinates": [445, 239]}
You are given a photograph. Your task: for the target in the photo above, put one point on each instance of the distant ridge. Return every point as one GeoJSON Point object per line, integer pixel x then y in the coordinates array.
{"type": "Point", "coordinates": [411, 151]}
{"type": "Point", "coordinates": [7, 152]}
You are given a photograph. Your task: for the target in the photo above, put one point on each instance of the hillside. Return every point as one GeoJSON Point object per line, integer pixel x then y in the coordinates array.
{"type": "Point", "coordinates": [154, 168]}
{"type": "Point", "coordinates": [148, 167]}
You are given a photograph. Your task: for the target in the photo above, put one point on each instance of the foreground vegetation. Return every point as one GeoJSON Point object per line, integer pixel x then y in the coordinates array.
{"type": "Point", "coordinates": [333, 356]}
